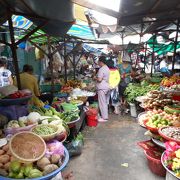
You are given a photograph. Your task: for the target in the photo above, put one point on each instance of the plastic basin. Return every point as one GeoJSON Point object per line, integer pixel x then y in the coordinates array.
{"type": "Point", "coordinates": [50, 175]}
{"type": "Point", "coordinates": [152, 129]}
{"type": "Point", "coordinates": [167, 137]}
{"type": "Point", "coordinates": [155, 165]}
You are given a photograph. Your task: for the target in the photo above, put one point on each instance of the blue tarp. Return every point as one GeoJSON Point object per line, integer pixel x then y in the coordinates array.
{"type": "Point", "coordinates": [20, 22]}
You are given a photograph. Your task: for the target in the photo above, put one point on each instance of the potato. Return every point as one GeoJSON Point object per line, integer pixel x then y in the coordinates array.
{"type": "Point", "coordinates": [42, 163]}
{"type": "Point", "coordinates": [6, 147]}
{"type": "Point", "coordinates": [1, 165]}
{"type": "Point", "coordinates": [55, 158]}
{"type": "Point", "coordinates": [49, 168]}
{"type": "Point", "coordinates": [3, 172]}
{"type": "Point", "coordinates": [2, 152]}
{"type": "Point", "coordinates": [4, 158]}
{"type": "Point", "coordinates": [6, 166]}
{"type": "Point", "coordinates": [9, 152]}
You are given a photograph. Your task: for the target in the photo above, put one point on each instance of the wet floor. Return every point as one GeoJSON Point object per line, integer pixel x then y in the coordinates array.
{"type": "Point", "coordinates": [107, 147]}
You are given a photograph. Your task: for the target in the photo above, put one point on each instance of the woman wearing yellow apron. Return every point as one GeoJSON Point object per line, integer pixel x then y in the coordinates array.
{"type": "Point", "coordinates": [114, 79]}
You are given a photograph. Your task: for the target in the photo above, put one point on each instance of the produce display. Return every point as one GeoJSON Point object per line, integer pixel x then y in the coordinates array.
{"type": "Point", "coordinates": [73, 83]}
{"type": "Point", "coordinates": [172, 88]}
{"type": "Point", "coordinates": [157, 99]}
{"type": "Point", "coordinates": [169, 82]}
{"type": "Point", "coordinates": [46, 131]}
{"type": "Point", "coordinates": [171, 132]}
{"type": "Point", "coordinates": [70, 85]}
{"type": "Point", "coordinates": [78, 92]}
{"type": "Point", "coordinates": [51, 116]}
{"type": "Point", "coordinates": [158, 121]}
{"type": "Point", "coordinates": [69, 107]}
{"type": "Point", "coordinates": [174, 109]}
{"type": "Point", "coordinates": [69, 116]}
{"type": "Point", "coordinates": [19, 94]}
{"type": "Point", "coordinates": [66, 89]}
{"type": "Point", "coordinates": [43, 130]}
{"type": "Point", "coordinates": [76, 102]}
{"type": "Point", "coordinates": [51, 160]}
{"type": "Point", "coordinates": [171, 158]}
{"type": "Point", "coordinates": [134, 90]}
{"type": "Point", "coordinates": [159, 118]}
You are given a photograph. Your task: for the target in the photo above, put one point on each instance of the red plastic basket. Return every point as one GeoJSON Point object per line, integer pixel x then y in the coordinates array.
{"type": "Point", "coordinates": [92, 120]}
{"type": "Point", "coordinates": [155, 165]}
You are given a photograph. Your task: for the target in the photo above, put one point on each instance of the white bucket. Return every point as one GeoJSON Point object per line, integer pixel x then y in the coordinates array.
{"type": "Point", "coordinates": [133, 110]}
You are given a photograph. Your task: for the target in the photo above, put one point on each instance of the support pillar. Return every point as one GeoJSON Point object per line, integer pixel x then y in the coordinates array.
{"type": "Point", "coordinates": [175, 46]}
{"type": "Point", "coordinates": [152, 60]}
{"type": "Point", "coordinates": [13, 49]}
{"type": "Point", "coordinates": [65, 62]}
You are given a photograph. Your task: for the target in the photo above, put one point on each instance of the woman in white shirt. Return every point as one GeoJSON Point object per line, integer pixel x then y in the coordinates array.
{"type": "Point", "coordinates": [5, 74]}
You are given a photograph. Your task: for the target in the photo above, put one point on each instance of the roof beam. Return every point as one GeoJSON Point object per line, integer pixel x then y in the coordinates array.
{"type": "Point", "coordinates": [156, 4]}
{"type": "Point", "coordinates": [87, 4]}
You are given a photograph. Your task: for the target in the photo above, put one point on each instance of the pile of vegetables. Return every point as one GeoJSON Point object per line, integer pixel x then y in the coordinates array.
{"type": "Point", "coordinates": [32, 118]}
{"type": "Point", "coordinates": [158, 121]}
{"type": "Point", "coordinates": [159, 118]}
{"type": "Point", "coordinates": [14, 169]}
{"type": "Point", "coordinates": [69, 116]}
{"type": "Point", "coordinates": [168, 82]}
{"type": "Point", "coordinates": [171, 158]}
{"type": "Point", "coordinates": [44, 130]}
{"type": "Point", "coordinates": [171, 132]}
{"type": "Point", "coordinates": [134, 90]}
{"type": "Point", "coordinates": [49, 114]}
{"type": "Point", "coordinates": [73, 83]}
{"type": "Point", "coordinates": [157, 100]}
{"type": "Point", "coordinates": [10, 167]}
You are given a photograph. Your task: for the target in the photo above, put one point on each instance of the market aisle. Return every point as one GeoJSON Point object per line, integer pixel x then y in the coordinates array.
{"type": "Point", "coordinates": [107, 147]}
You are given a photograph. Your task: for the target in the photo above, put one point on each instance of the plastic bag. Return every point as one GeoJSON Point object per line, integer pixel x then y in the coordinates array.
{"type": "Point", "coordinates": [55, 147]}
{"type": "Point", "coordinates": [115, 96]}
{"type": "Point", "coordinates": [92, 111]}
{"type": "Point", "coordinates": [75, 147]}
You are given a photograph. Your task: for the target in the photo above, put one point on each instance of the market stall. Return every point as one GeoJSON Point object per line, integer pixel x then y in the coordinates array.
{"type": "Point", "coordinates": [161, 119]}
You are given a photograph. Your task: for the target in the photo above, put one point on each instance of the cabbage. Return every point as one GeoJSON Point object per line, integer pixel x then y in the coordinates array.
{"type": "Point", "coordinates": [34, 117]}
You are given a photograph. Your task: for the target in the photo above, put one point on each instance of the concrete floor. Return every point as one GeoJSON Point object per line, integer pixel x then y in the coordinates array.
{"type": "Point", "coordinates": [108, 146]}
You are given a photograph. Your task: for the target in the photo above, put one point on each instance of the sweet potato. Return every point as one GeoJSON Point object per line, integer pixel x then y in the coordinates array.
{"type": "Point", "coordinates": [4, 158]}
